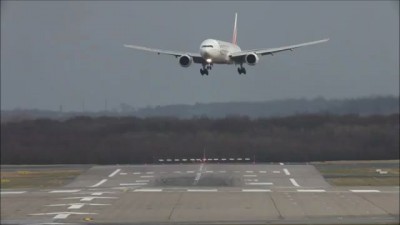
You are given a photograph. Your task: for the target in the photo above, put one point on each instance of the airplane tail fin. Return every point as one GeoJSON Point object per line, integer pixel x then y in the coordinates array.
{"type": "Point", "coordinates": [234, 36]}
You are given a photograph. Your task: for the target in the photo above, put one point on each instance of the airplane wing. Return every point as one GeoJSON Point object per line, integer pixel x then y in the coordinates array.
{"type": "Point", "coordinates": [196, 56]}
{"type": "Point", "coordinates": [271, 51]}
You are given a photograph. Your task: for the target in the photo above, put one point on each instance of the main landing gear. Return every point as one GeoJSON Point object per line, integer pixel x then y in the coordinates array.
{"type": "Point", "coordinates": [204, 70]}
{"type": "Point", "coordinates": [241, 70]}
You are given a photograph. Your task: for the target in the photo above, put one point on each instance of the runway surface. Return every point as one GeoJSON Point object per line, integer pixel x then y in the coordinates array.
{"type": "Point", "coordinates": [201, 193]}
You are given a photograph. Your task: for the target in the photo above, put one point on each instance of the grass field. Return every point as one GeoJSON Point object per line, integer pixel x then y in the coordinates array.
{"type": "Point", "coordinates": [37, 178]}
{"type": "Point", "coordinates": [360, 173]}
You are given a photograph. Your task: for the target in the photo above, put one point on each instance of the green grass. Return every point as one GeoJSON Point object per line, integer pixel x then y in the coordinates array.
{"type": "Point", "coordinates": [360, 173]}
{"type": "Point", "coordinates": [37, 179]}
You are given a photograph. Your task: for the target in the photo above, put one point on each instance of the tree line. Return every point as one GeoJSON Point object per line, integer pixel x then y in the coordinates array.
{"type": "Point", "coordinates": [125, 140]}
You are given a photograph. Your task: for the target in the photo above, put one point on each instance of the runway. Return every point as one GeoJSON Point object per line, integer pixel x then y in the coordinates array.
{"type": "Point", "coordinates": [201, 193]}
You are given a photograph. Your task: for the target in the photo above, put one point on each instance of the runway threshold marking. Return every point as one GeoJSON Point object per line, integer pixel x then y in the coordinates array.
{"type": "Point", "coordinates": [65, 191]}
{"type": "Point", "coordinates": [311, 190]}
{"type": "Point", "coordinates": [99, 183]}
{"type": "Point", "coordinates": [115, 172]}
{"type": "Point", "coordinates": [286, 171]}
{"type": "Point", "coordinates": [256, 190]}
{"type": "Point", "coordinates": [12, 192]}
{"type": "Point", "coordinates": [293, 181]}
{"type": "Point", "coordinates": [365, 191]}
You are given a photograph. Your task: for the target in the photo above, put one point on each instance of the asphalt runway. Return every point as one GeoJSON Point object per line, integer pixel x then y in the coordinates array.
{"type": "Point", "coordinates": [201, 193]}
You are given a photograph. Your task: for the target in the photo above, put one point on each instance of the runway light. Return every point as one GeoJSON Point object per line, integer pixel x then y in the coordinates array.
{"type": "Point", "coordinates": [208, 60]}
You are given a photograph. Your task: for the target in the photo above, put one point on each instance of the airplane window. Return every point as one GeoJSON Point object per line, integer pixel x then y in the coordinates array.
{"type": "Point", "coordinates": [206, 46]}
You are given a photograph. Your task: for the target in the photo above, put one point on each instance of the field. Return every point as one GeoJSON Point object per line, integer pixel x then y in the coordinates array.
{"type": "Point", "coordinates": [38, 178]}
{"type": "Point", "coordinates": [360, 173]}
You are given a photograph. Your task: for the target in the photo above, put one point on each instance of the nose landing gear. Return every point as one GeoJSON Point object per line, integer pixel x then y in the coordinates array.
{"type": "Point", "coordinates": [204, 70]}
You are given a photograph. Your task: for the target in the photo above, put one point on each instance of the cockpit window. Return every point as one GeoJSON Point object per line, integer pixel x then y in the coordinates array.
{"type": "Point", "coordinates": [206, 46]}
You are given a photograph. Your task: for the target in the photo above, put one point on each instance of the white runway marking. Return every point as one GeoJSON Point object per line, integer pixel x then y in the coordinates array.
{"type": "Point", "coordinates": [101, 193]}
{"type": "Point", "coordinates": [260, 183]}
{"type": "Point", "coordinates": [247, 159]}
{"type": "Point", "coordinates": [61, 215]}
{"type": "Point", "coordinates": [132, 184]}
{"type": "Point", "coordinates": [311, 190]}
{"type": "Point", "coordinates": [149, 172]}
{"type": "Point", "coordinates": [202, 190]}
{"type": "Point", "coordinates": [65, 191]}
{"type": "Point", "coordinates": [256, 190]}
{"type": "Point", "coordinates": [177, 172]}
{"type": "Point", "coordinates": [251, 180]}
{"type": "Point", "coordinates": [286, 171]}
{"type": "Point", "coordinates": [294, 182]}
{"type": "Point", "coordinates": [231, 159]}
{"type": "Point", "coordinates": [276, 171]}
{"type": "Point", "coordinates": [137, 173]}
{"type": "Point", "coordinates": [190, 171]}
{"type": "Point", "coordinates": [281, 164]}
{"type": "Point", "coordinates": [141, 181]}
{"type": "Point", "coordinates": [249, 175]}
{"type": "Point", "coordinates": [99, 183]}
{"type": "Point", "coordinates": [209, 171]}
{"type": "Point", "coordinates": [223, 159]}
{"type": "Point", "coordinates": [365, 191]}
{"type": "Point", "coordinates": [147, 176]}
{"type": "Point", "coordinates": [113, 173]}
{"type": "Point", "coordinates": [12, 192]}
{"type": "Point", "coordinates": [249, 171]}
{"type": "Point", "coordinates": [147, 190]}
{"type": "Point", "coordinates": [262, 171]}
{"type": "Point", "coordinates": [76, 205]}
{"type": "Point", "coordinates": [198, 174]}
{"type": "Point", "coordinates": [89, 198]}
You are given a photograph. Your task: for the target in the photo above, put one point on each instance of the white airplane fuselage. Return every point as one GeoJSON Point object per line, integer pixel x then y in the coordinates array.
{"type": "Point", "coordinates": [216, 51]}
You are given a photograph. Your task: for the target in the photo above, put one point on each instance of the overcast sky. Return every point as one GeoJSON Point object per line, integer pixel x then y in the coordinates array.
{"type": "Point", "coordinates": [68, 52]}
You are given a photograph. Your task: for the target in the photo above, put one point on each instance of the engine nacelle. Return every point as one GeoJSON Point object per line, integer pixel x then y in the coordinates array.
{"type": "Point", "coordinates": [252, 59]}
{"type": "Point", "coordinates": [185, 60]}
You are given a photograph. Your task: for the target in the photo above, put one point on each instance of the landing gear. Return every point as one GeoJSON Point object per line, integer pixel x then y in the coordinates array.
{"type": "Point", "coordinates": [241, 70]}
{"type": "Point", "coordinates": [204, 71]}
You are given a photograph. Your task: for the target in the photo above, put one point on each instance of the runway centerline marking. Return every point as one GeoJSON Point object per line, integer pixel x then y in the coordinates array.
{"type": "Point", "coordinates": [286, 171]}
{"type": "Point", "coordinates": [148, 190]}
{"type": "Point", "coordinates": [310, 190]}
{"type": "Point", "coordinates": [61, 215]}
{"type": "Point", "coordinates": [12, 192]}
{"type": "Point", "coordinates": [141, 181]}
{"type": "Point", "coordinates": [65, 191]}
{"type": "Point", "coordinates": [132, 184]}
{"type": "Point", "coordinates": [202, 190]}
{"type": "Point", "coordinates": [137, 173]}
{"type": "Point", "coordinates": [147, 176]}
{"type": "Point", "coordinates": [260, 183]}
{"type": "Point", "coordinates": [276, 171]}
{"type": "Point", "coordinates": [249, 175]}
{"type": "Point", "coordinates": [89, 198]}
{"type": "Point", "coordinates": [293, 181]}
{"type": "Point", "coordinates": [365, 191]}
{"type": "Point", "coordinates": [198, 174]}
{"type": "Point", "coordinates": [113, 173]}
{"type": "Point", "coordinates": [262, 171]}
{"type": "Point", "coordinates": [256, 190]}
{"type": "Point", "coordinates": [99, 183]}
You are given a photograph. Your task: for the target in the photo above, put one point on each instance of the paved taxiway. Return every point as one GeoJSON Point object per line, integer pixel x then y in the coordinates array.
{"type": "Point", "coordinates": [201, 193]}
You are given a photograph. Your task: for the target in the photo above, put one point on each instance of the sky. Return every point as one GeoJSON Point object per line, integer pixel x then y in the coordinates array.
{"type": "Point", "coordinates": [71, 53]}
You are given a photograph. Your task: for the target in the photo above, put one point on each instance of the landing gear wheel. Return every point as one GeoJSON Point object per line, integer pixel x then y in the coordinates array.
{"type": "Point", "coordinates": [243, 70]}
{"type": "Point", "coordinates": [239, 71]}
{"type": "Point", "coordinates": [206, 72]}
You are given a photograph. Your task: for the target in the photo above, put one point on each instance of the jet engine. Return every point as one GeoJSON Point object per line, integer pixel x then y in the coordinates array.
{"type": "Point", "coordinates": [185, 60]}
{"type": "Point", "coordinates": [252, 59]}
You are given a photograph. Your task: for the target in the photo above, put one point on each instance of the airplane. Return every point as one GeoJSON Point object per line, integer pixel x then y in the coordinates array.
{"type": "Point", "coordinates": [221, 52]}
